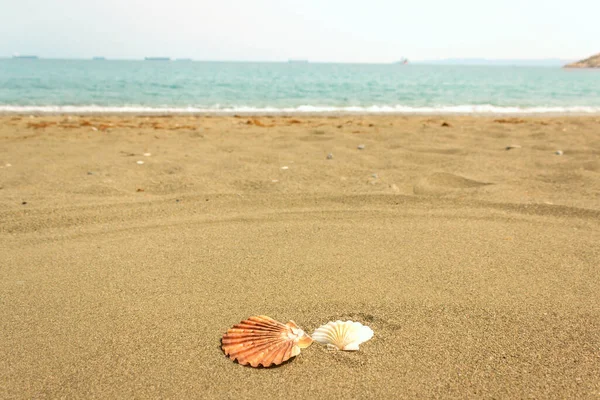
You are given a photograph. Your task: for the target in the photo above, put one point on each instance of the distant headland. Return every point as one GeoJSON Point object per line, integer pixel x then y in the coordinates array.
{"type": "Point", "coordinates": [542, 62]}
{"type": "Point", "coordinates": [592, 62]}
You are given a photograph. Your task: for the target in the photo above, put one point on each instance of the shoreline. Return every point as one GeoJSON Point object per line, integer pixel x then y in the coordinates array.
{"type": "Point", "coordinates": [270, 114]}
{"type": "Point", "coordinates": [308, 111]}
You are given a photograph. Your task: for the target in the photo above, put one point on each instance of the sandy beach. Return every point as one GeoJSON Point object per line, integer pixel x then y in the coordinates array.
{"type": "Point", "coordinates": [130, 244]}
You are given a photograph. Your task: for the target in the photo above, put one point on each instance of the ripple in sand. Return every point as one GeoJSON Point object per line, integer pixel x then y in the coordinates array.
{"type": "Point", "coordinates": [441, 183]}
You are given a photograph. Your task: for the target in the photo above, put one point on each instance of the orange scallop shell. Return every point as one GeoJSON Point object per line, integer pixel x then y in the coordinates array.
{"type": "Point", "coordinates": [261, 340]}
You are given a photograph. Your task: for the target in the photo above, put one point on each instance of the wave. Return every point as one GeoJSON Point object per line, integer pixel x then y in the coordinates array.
{"type": "Point", "coordinates": [304, 109]}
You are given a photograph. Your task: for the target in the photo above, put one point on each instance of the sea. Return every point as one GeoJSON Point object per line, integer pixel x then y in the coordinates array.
{"type": "Point", "coordinates": [106, 86]}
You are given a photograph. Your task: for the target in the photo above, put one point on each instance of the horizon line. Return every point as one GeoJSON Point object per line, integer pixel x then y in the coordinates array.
{"type": "Point", "coordinates": [290, 60]}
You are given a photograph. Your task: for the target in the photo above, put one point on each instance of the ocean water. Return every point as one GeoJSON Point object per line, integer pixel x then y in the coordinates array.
{"type": "Point", "coordinates": [227, 87]}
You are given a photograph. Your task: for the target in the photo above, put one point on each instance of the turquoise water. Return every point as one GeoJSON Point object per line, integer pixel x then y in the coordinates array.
{"type": "Point", "coordinates": [184, 86]}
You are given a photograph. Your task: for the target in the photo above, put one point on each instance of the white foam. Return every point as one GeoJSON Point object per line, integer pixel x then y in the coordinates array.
{"type": "Point", "coordinates": [304, 109]}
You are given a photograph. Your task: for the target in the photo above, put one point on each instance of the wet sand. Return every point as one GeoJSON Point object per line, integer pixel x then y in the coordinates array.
{"type": "Point", "coordinates": [477, 267]}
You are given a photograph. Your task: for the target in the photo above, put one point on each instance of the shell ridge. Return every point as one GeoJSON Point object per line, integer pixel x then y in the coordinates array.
{"type": "Point", "coordinates": [246, 341]}
{"type": "Point", "coordinates": [248, 350]}
{"type": "Point", "coordinates": [271, 353]}
{"type": "Point", "coordinates": [269, 358]}
{"type": "Point", "coordinates": [327, 333]}
{"type": "Point", "coordinates": [255, 355]}
{"type": "Point", "coordinates": [251, 327]}
{"type": "Point", "coordinates": [274, 325]}
{"type": "Point", "coordinates": [342, 335]}
{"type": "Point", "coordinates": [245, 333]}
{"type": "Point", "coordinates": [266, 321]}
{"type": "Point", "coordinates": [281, 355]}
{"type": "Point", "coordinates": [289, 350]}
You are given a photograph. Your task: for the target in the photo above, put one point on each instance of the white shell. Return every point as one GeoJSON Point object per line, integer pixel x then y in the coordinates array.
{"type": "Point", "coordinates": [343, 335]}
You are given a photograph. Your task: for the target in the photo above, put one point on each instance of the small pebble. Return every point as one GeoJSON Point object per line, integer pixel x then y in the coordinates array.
{"type": "Point", "coordinates": [24, 203]}
{"type": "Point", "coordinates": [361, 146]}
{"type": "Point", "coordinates": [90, 173]}
{"type": "Point", "coordinates": [275, 180]}
{"type": "Point", "coordinates": [140, 162]}
{"type": "Point", "coordinates": [559, 152]}
{"type": "Point", "coordinates": [374, 176]}
{"type": "Point", "coordinates": [330, 156]}
{"type": "Point", "coordinates": [513, 146]}
{"type": "Point", "coordinates": [176, 200]}
{"type": "Point", "coordinates": [285, 167]}
{"type": "Point", "coordinates": [8, 165]}
{"type": "Point", "coordinates": [94, 128]}
{"type": "Point", "coordinates": [147, 154]}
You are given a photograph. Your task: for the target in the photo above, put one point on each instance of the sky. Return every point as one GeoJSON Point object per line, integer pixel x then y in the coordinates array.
{"type": "Point", "coordinates": [317, 30]}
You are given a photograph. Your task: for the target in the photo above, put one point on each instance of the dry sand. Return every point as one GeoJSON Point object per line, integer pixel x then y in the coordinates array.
{"type": "Point", "coordinates": [476, 266]}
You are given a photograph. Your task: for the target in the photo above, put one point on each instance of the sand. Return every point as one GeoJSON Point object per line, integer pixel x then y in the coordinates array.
{"type": "Point", "coordinates": [477, 267]}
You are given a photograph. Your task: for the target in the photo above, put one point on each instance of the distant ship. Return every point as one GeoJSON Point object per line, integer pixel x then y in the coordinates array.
{"type": "Point", "coordinates": [292, 61]}
{"type": "Point", "coordinates": [98, 58]}
{"type": "Point", "coordinates": [183, 59]}
{"type": "Point", "coordinates": [402, 61]}
{"type": "Point", "coordinates": [20, 57]}
{"type": "Point", "coordinates": [158, 58]}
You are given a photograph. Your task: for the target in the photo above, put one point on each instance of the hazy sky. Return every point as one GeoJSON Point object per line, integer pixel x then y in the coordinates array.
{"type": "Point", "coordinates": [319, 30]}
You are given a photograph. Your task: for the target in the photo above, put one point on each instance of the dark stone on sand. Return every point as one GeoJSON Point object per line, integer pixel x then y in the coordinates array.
{"type": "Point", "coordinates": [513, 146]}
